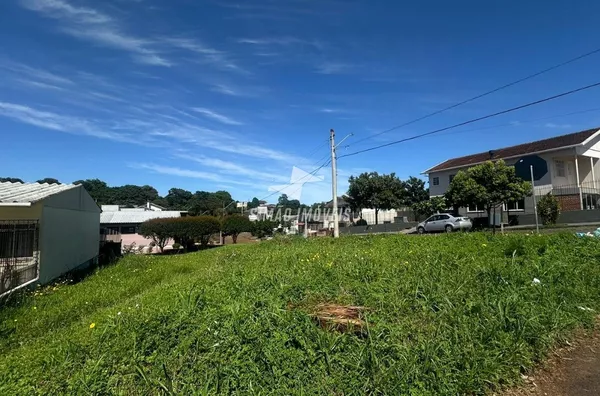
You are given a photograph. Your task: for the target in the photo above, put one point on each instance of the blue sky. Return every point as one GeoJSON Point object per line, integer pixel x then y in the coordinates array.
{"type": "Point", "coordinates": [222, 94]}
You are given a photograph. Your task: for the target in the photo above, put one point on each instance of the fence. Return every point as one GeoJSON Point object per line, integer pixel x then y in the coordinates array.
{"type": "Point", "coordinates": [585, 195]}
{"type": "Point", "coordinates": [19, 254]}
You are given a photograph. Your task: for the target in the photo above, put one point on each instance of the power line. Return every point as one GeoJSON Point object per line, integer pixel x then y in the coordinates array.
{"type": "Point", "coordinates": [303, 177]}
{"type": "Point", "coordinates": [475, 119]}
{"type": "Point", "coordinates": [522, 122]}
{"type": "Point", "coordinates": [481, 95]}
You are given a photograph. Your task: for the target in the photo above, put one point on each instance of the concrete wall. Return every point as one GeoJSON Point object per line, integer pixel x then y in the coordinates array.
{"type": "Point", "coordinates": [69, 233]}
{"type": "Point", "coordinates": [572, 217]}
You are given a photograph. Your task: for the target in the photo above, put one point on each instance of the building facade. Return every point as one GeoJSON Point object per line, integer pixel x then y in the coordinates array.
{"type": "Point", "coordinates": [567, 166]}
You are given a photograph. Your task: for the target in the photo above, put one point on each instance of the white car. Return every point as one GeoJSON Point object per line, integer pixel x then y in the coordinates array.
{"type": "Point", "coordinates": [444, 222]}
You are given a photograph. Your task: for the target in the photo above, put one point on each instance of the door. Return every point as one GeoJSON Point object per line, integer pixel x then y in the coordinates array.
{"type": "Point", "coordinates": [430, 224]}
{"type": "Point", "coordinates": [442, 221]}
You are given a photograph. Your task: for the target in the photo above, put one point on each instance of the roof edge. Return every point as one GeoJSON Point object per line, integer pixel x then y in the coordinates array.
{"type": "Point", "coordinates": [503, 158]}
{"type": "Point", "coordinates": [586, 141]}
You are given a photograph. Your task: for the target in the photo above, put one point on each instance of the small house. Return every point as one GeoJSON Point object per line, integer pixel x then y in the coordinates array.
{"type": "Point", "coordinates": [46, 230]}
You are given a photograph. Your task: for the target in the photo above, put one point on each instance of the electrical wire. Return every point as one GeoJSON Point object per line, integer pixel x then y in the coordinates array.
{"type": "Point", "coordinates": [521, 122]}
{"type": "Point", "coordinates": [480, 96]}
{"type": "Point", "coordinates": [475, 119]}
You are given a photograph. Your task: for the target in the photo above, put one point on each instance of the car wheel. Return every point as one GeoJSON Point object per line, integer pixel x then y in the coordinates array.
{"type": "Point", "coordinates": [421, 230]}
{"type": "Point", "coordinates": [449, 228]}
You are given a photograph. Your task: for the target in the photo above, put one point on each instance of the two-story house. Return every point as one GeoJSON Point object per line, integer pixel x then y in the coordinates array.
{"type": "Point", "coordinates": [567, 166]}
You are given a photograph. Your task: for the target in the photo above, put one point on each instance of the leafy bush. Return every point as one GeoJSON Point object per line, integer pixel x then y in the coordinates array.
{"type": "Point", "coordinates": [548, 209]}
{"type": "Point", "coordinates": [263, 228]}
{"type": "Point", "coordinates": [235, 224]}
{"type": "Point", "coordinates": [361, 222]}
{"type": "Point", "coordinates": [188, 230]}
{"type": "Point", "coordinates": [160, 230]}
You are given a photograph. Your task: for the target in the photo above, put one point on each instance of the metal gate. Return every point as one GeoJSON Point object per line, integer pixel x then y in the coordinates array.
{"type": "Point", "coordinates": [19, 254]}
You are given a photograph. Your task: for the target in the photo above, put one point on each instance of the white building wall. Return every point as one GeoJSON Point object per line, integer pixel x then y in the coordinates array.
{"type": "Point", "coordinates": [69, 233]}
{"type": "Point", "coordinates": [384, 215]}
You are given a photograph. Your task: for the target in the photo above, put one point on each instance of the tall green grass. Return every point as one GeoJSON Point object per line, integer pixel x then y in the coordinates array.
{"type": "Point", "coordinates": [446, 314]}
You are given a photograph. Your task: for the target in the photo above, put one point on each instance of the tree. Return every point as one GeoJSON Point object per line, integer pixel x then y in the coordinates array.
{"type": "Point", "coordinates": [263, 228]}
{"type": "Point", "coordinates": [374, 191]}
{"type": "Point", "coordinates": [426, 208]}
{"type": "Point", "coordinates": [178, 199]}
{"type": "Point", "coordinates": [160, 230]}
{"type": "Point", "coordinates": [236, 224]}
{"type": "Point", "coordinates": [187, 230]}
{"type": "Point", "coordinates": [415, 191]}
{"type": "Point", "coordinates": [97, 189]}
{"type": "Point", "coordinates": [10, 180]}
{"type": "Point", "coordinates": [487, 185]}
{"type": "Point", "coordinates": [255, 203]}
{"type": "Point", "coordinates": [48, 180]}
{"type": "Point", "coordinates": [549, 209]}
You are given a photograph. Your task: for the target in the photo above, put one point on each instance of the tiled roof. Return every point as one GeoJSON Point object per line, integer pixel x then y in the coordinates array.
{"type": "Point", "coordinates": [136, 217]}
{"type": "Point", "coordinates": [554, 143]}
{"type": "Point", "coordinates": [30, 192]}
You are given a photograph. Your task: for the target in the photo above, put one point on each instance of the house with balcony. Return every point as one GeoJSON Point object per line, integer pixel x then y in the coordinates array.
{"type": "Point", "coordinates": [566, 166]}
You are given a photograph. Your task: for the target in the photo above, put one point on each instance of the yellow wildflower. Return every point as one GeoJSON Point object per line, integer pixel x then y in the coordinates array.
{"type": "Point", "coordinates": [92, 325]}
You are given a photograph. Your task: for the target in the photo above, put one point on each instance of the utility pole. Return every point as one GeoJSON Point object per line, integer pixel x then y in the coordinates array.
{"type": "Point", "coordinates": [221, 231]}
{"type": "Point", "coordinates": [537, 224]}
{"type": "Point", "coordinates": [336, 225]}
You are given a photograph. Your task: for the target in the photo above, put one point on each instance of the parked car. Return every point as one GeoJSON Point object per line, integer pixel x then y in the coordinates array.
{"type": "Point", "coordinates": [444, 223]}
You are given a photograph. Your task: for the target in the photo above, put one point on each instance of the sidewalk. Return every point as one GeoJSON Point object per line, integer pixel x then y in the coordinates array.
{"type": "Point", "coordinates": [572, 371]}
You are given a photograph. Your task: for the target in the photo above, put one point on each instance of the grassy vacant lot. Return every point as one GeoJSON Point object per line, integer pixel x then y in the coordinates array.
{"type": "Point", "coordinates": [446, 314]}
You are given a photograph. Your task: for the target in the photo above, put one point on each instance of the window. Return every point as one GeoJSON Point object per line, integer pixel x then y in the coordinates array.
{"type": "Point", "coordinates": [474, 209]}
{"type": "Point", "coordinates": [560, 168]}
{"type": "Point", "coordinates": [432, 218]}
{"type": "Point", "coordinates": [128, 230]}
{"type": "Point", "coordinates": [518, 205]}
{"type": "Point", "coordinates": [436, 181]}
{"type": "Point", "coordinates": [443, 217]}
{"type": "Point", "coordinates": [450, 178]}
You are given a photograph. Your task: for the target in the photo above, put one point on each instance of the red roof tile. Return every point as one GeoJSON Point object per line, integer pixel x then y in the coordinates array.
{"type": "Point", "coordinates": [554, 143]}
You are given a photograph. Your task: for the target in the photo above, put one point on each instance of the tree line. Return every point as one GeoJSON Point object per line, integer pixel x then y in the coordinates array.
{"type": "Point", "coordinates": [486, 185]}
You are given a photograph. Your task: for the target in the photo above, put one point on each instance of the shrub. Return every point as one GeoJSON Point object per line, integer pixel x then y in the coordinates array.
{"type": "Point", "coordinates": [235, 224]}
{"type": "Point", "coordinates": [361, 222]}
{"type": "Point", "coordinates": [548, 209]}
{"type": "Point", "coordinates": [160, 230]}
{"type": "Point", "coordinates": [263, 228]}
{"type": "Point", "coordinates": [188, 230]}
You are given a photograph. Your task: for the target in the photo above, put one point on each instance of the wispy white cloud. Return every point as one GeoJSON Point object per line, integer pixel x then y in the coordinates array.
{"type": "Point", "coordinates": [175, 171]}
{"type": "Point", "coordinates": [60, 9]}
{"type": "Point", "coordinates": [112, 37]}
{"type": "Point", "coordinates": [558, 126]}
{"type": "Point", "coordinates": [331, 111]}
{"type": "Point", "coordinates": [181, 172]}
{"type": "Point", "coordinates": [208, 55]}
{"type": "Point", "coordinates": [231, 168]}
{"type": "Point", "coordinates": [35, 74]}
{"type": "Point", "coordinates": [226, 90]}
{"type": "Point", "coordinates": [333, 68]}
{"type": "Point", "coordinates": [93, 25]}
{"type": "Point", "coordinates": [62, 123]}
{"type": "Point", "coordinates": [280, 41]}
{"type": "Point", "coordinates": [216, 116]}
